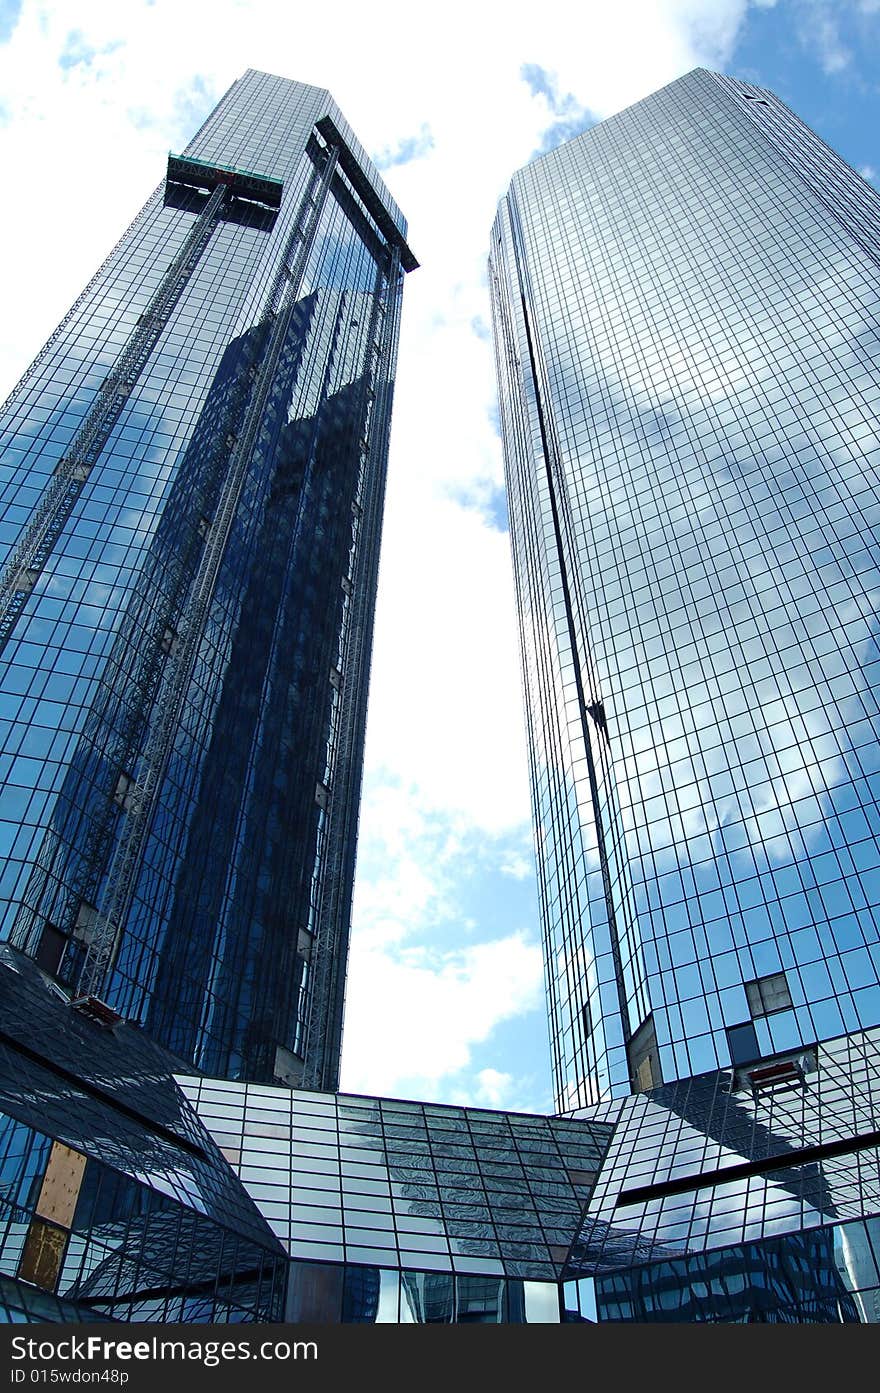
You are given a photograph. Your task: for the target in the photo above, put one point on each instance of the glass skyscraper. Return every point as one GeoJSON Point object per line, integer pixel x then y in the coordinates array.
{"type": "Point", "coordinates": [685, 302]}
{"type": "Point", "coordinates": [192, 493]}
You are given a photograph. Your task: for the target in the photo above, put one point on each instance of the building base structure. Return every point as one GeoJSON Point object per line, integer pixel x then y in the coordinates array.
{"type": "Point", "coordinates": [137, 1190]}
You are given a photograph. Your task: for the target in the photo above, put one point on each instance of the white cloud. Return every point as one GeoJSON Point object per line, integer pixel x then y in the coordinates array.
{"type": "Point", "coordinates": [518, 867]}
{"type": "Point", "coordinates": [83, 142]}
{"type": "Point", "coordinates": [773, 777]}
{"type": "Point", "coordinates": [819, 31]}
{"type": "Point", "coordinates": [493, 1087]}
{"type": "Point", "coordinates": [415, 1020]}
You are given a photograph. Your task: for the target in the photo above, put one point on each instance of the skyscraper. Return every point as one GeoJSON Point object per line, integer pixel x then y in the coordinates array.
{"type": "Point", "coordinates": [194, 472]}
{"type": "Point", "coordinates": [685, 307]}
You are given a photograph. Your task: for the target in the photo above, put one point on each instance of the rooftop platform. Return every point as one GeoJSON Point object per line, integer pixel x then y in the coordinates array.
{"type": "Point", "coordinates": [189, 173]}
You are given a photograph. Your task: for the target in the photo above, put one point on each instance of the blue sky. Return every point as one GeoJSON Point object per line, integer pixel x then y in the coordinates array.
{"type": "Point", "coordinates": [445, 991]}
{"type": "Point", "coordinates": [823, 60]}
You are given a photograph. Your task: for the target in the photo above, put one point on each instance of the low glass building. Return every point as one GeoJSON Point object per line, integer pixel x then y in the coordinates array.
{"type": "Point", "coordinates": [115, 1203]}
{"type": "Point", "coordinates": [740, 1196]}
{"type": "Point", "coordinates": [134, 1189]}
{"type": "Point", "coordinates": [411, 1212]}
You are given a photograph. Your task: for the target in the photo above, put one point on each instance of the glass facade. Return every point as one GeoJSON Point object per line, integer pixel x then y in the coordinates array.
{"type": "Point", "coordinates": [394, 1211]}
{"type": "Point", "coordinates": [192, 490]}
{"type": "Point", "coordinates": [135, 1192]}
{"type": "Point", "coordinates": [115, 1203]}
{"type": "Point", "coordinates": [131, 1193]}
{"type": "Point", "coordinates": [723, 1199]}
{"type": "Point", "coordinates": [685, 302]}
{"type": "Point", "coordinates": [194, 480]}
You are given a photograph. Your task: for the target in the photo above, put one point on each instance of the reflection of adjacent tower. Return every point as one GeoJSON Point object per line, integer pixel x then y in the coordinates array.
{"type": "Point", "coordinates": [792, 1280]}
{"type": "Point", "coordinates": [190, 854]}
{"type": "Point", "coordinates": [248, 864]}
{"type": "Point", "coordinates": [858, 1268]}
{"type": "Point", "coordinates": [444, 1298]}
{"type": "Point", "coordinates": [252, 888]}
{"type": "Point", "coordinates": [247, 855]}
{"type": "Point", "coordinates": [362, 1292]}
{"type": "Point", "coordinates": [693, 519]}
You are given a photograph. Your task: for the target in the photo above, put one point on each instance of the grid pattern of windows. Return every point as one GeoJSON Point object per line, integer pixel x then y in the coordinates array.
{"type": "Point", "coordinates": [113, 1198]}
{"type": "Point", "coordinates": [23, 1304]}
{"type": "Point", "coordinates": [192, 660]}
{"type": "Point", "coordinates": [685, 303]}
{"type": "Point", "coordinates": [820, 1277]}
{"type": "Point", "coordinates": [385, 1184]}
{"type": "Point", "coordinates": [384, 1295]}
{"type": "Point", "coordinates": [123, 1250]}
{"type": "Point", "coordinates": [694, 1167]}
